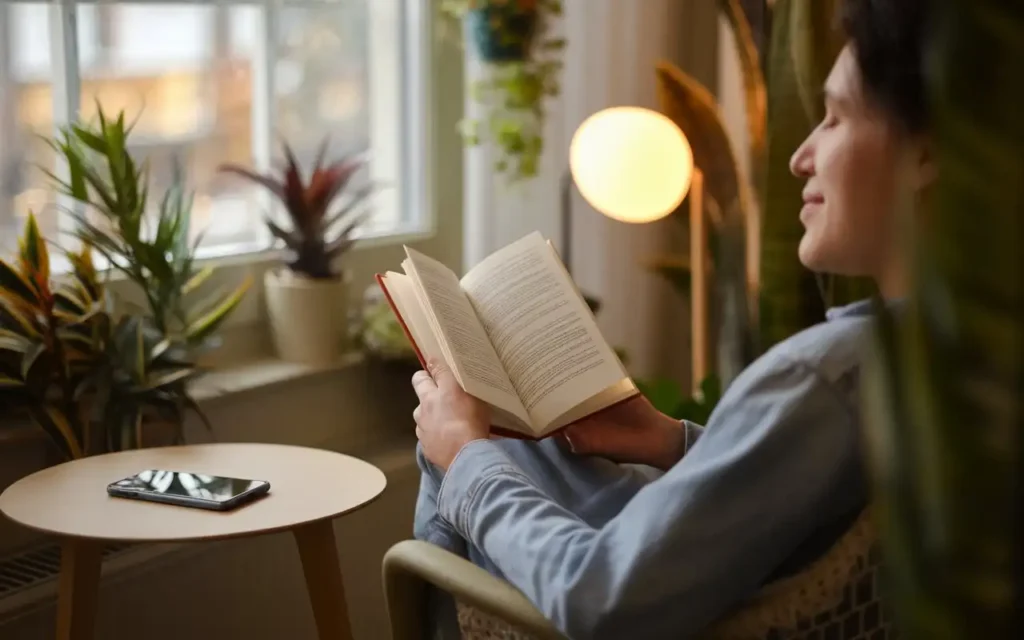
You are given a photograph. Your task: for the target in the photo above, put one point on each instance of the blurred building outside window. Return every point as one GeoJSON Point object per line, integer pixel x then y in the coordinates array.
{"type": "Point", "coordinates": [208, 84]}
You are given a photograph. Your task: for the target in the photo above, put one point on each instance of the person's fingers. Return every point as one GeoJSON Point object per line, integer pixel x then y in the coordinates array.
{"type": "Point", "coordinates": [422, 383]}
{"type": "Point", "coordinates": [419, 433]}
{"type": "Point", "coordinates": [442, 374]}
{"type": "Point", "coordinates": [416, 414]}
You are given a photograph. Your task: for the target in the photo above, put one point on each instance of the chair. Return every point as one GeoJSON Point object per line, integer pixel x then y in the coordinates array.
{"type": "Point", "coordinates": [835, 598]}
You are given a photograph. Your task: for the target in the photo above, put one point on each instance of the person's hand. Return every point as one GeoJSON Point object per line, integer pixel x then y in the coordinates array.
{"type": "Point", "coordinates": [629, 432]}
{"type": "Point", "coordinates": [447, 417]}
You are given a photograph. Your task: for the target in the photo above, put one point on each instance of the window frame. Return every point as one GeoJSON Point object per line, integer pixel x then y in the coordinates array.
{"type": "Point", "coordinates": [244, 333]}
{"type": "Point", "coordinates": [415, 215]}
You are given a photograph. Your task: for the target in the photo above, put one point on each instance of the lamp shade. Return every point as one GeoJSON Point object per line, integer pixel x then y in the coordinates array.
{"type": "Point", "coordinates": [631, 164]}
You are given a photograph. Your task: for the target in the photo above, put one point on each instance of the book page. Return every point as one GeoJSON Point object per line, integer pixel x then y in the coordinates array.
{"type": "Point", "coordinates": [472, 356]}
{"type": "Point", "coordinates": [403, 294]}
{"type": "Point", "coordinates": [542, 330]}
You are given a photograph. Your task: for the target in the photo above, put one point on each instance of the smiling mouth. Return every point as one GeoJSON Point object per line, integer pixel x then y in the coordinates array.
{"type": "Point", "coordinates": [810, 205]}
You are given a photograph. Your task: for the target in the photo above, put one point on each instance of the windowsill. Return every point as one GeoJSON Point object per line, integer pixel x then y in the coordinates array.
{"type": "Point", "coordinates": [263, 372]}
{"type": "Point", "coordinates": [220, 384]}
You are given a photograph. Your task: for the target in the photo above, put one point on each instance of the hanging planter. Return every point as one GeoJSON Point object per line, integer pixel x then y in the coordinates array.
{"type": "Point", "coordinates": [524, 69]}
{"type": "Point", "coordinates": [503, 30]}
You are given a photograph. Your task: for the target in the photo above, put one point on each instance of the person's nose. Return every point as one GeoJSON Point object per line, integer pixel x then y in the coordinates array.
{"type": "Point", "coordinates": [801, 164]}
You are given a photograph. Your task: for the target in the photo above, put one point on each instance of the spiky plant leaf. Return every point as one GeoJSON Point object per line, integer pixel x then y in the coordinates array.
{"type": "Point", "coordinates": [15, 286]}
{"type": "Point", "coordinates": [309, 208]}
{"type": "Point", "coordinates": [30, 357]}
{"type": "Point", "coordinates": [35, 259]}
{"type": "Point", "coordinates": [197, 280]}
{"type": "Point", "coordinates": [58, 426]}
{"type": "Point", "coordinates": [20, 320]}
{"type": "Point", "coordinates": [209, 320]}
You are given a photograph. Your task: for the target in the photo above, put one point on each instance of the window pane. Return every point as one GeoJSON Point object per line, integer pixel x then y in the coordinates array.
{"type": "Point", "coordinates": [337, 74]}
{"type": "Point", "coordinates": [194, 77]}
{"type": "Point", "coordinates": [26, 113]}
{"type": "Point", "coordinates": [174, 68]}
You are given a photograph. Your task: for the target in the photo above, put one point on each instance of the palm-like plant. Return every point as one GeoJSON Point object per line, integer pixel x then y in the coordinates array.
{"type": "Point", "coordinates": [320, 232]}
{"type": "Point", "coordinates": [947, 396]}
{"type": "Point", "coordinates": [114, 216]}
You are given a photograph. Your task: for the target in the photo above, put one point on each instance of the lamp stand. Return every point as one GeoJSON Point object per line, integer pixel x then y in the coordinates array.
{"type": "Point", "coordinates": [699, 342]}
{"type": "Point", "coordinates": [567, 185]}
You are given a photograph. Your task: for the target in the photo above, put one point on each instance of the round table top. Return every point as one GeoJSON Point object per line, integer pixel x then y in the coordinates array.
{"type": "Point", "coordinates": [306, 485]}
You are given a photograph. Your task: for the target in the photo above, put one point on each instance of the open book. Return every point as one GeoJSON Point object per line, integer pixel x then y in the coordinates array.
{"type": "Point", "coordinates": [516, 333]}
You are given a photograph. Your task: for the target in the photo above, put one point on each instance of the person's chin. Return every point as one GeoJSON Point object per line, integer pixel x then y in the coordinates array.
{"type": "Point", "coordinates": [809, 253]}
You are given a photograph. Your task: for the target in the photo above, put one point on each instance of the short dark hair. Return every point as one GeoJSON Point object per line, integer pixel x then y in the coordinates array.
{"type": "Point", "coordinates": [889, 39]}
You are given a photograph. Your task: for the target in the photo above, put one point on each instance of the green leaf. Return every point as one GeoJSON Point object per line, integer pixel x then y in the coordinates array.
{"type": "Point", "coordinates": [10, 341]}
{"type": "Point", "coordinates": [10, 383]}
{"type": "Point", "coordinates": [18, 316]}
{"type": "Point", "coordinates": [201, 328]}
{"type": "Point", "coordinates": [291, 240]}
{"type": "Point", "coordinates": [273, 186]}
{"type": "Point", "coordinates": [160, 349]}
{"type": "Point", "coordinates": [30, 357]}
{"type": "Point", "coordinates": [340, 215]}
{"type": "Point", "coordinates": [197, 280]}
{"type": "Point", "coordinates": [57, 425]}
{"type": "Point", "coordinates": [34, 255]}
{"type": "Point", "coordinates": [140, 352]}
{"type": "Point", "coordinates": [665, 394]}
{"type": "Point", "coordinates": [91, 140]}
{"type": "Point", "coordinates": [68, 300]}
{"type": "Point", "coordinates": [169, 379]}
{"type": "Point", "coordinates": [16, 285]}
{"type": "Point", "coordinates": [190, 402]}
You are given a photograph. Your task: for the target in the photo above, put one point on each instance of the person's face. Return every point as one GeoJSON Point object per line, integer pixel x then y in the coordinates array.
{"type": "Point", "coordinates": [850, 162]}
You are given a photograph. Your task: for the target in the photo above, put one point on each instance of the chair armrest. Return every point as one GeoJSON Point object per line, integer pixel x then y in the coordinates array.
{"type": "Point", "coordinates": [412, 564]}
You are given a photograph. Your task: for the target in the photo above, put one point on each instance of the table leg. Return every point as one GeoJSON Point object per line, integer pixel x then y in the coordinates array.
{"type": "Point", "coordinates": [78, 588]}
{"type": "Point", "coordinates": [319, 554]}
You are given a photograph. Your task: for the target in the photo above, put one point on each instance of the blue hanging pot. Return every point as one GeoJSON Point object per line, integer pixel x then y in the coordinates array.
{"type": "Point", "coordinates": [503, 30]}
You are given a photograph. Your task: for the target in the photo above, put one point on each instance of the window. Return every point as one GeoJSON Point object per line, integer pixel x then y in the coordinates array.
{"type": "Point", "coordinates": [214, 82]}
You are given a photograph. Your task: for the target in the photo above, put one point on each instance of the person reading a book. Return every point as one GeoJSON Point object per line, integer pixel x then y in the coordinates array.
{"type": "Point", "coordinates": [703, 516]}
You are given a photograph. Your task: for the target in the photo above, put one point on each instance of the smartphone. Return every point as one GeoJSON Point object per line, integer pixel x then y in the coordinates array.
{"type": "Point", "coordinates": [195, 490]}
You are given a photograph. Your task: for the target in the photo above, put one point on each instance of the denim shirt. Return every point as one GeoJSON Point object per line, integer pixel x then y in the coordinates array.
{"type": "Point", "coordinates": [772, 480]}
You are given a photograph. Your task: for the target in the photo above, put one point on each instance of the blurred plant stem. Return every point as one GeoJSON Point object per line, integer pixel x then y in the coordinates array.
{"type": "Point", "coordinates": [946, 394]}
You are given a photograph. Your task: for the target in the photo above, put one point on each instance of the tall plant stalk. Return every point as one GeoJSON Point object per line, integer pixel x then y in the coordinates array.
{"type": "Point", "coordinates": [947, 392]}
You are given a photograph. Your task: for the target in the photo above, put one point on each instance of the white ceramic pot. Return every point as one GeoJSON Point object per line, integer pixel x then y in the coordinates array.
{"type": "Point", "coordinates": [308, 318]}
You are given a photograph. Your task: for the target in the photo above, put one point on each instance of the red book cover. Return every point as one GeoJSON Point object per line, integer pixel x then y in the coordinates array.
{"type": "Point", "coordinates": [498, 431]}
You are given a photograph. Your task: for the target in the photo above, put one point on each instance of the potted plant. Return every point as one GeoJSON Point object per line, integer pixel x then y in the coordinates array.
{"type": "Point", "coordinates": [524, 69]}
{"type": "Point", "coordinates": [151, 248]}
{"type": "Point", "coordinates": [307, 302]}
{"type": "Point", "coordinates": [91, 382]}
{"type": "Point", "coordinates": [92, 379]}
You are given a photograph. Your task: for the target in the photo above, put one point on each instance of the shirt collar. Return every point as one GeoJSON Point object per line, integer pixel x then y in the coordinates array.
{"type": "Point", "coordinates": [858, 309]}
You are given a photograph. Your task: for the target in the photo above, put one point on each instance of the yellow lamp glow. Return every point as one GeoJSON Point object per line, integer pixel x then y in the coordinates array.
{"type": "Point", "coordinates": [631, 164]}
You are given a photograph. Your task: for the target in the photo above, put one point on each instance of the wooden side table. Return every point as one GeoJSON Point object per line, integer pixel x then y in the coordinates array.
{"type": "Point", "coordinates": [308, 489]}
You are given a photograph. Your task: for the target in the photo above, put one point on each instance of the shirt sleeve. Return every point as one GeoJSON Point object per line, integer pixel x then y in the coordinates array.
{"type": "Point", "coordinates": [693, 431]}
{"type": "Point", "coordinates": [779, 457]}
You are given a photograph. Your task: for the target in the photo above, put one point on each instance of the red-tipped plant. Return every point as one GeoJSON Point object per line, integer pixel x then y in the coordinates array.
{"type": "Point", "coordinates": [324, 213]}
